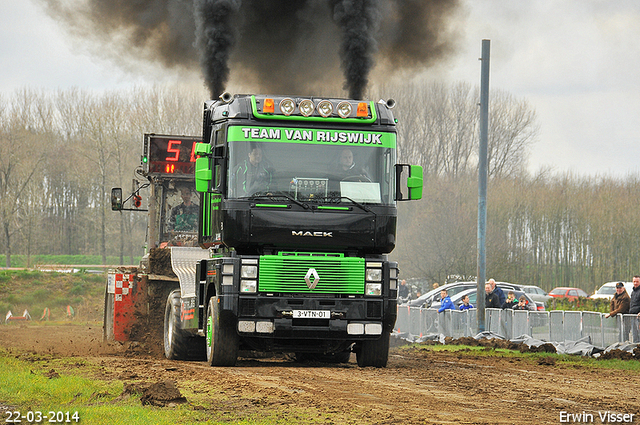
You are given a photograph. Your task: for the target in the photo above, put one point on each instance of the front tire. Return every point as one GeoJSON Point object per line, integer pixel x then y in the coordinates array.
{"type": "Point", "coordinates": [175, 339]}
{"type": "Point", "coordinates": [374, 353]}
{"type": "Point", "coordinates": [222, 340]}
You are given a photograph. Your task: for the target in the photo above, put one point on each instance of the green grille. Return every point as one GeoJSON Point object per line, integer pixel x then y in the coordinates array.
{"type": "Point", "coordinates": [286, 272]}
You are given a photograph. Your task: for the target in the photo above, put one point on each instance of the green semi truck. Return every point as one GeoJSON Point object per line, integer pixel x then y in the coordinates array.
{"type": "Point", "coordinates": [298, 211]}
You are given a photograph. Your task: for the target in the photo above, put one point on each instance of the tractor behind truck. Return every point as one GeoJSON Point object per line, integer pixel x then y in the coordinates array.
{"type": "Point", "coordinates": [135, 297]}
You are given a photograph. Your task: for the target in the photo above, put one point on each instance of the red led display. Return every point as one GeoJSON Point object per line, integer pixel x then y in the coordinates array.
{"type": "Point", "coordinates": [170, 154]}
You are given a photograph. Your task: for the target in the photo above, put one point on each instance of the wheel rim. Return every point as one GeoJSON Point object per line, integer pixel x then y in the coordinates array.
{"type": "Point", "coordinates": [209, 335]}
{"type": "Point", "coordinates": [170, 331]}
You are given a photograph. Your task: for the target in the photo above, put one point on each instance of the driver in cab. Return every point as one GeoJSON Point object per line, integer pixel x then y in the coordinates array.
{"type": "Point", "coordinates": [184, 217]}
{"type": "Point", "coordinates": [252, 175]}
{"type": "Point", "coordinates": [347, 168]}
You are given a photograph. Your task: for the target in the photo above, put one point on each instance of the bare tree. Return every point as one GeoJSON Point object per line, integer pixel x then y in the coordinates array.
{"type": "Point", "coordinates": [20, 157]}
{"type": "Point", "coordinates": [512, 130]}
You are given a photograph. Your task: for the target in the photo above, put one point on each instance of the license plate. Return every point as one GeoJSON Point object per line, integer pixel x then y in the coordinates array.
{"type": "Point", "coordinates": [311, 314]}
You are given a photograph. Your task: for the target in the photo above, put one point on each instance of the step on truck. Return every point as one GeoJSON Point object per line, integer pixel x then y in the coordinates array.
{"type": "Point", "coordinates": [298, 213]}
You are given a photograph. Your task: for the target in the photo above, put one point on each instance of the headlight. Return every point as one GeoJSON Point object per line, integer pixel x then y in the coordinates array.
{"type": "Point", "coordinates": [325, 108]}
{"type": "Point", "coordinates": [306, 107]}
{"type": "Point", "coordinates": [249, 272]}
{"type": "Point", "coordinates": [344, 109]}
{"type": "Point", "coordinates": [374, 275]}
{"type": "Point", "coordinates": [355, 328]}
{"type": "Point", "coordinates": [373, 289]}
{"type": "Point", "coordinates": [248, 286]}
{"type": "Point", "coordinates": [287, 106]}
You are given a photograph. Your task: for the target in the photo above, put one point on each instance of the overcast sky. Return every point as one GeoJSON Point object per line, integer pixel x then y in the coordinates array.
{"type": "Point", "coordinates": [577, 63]}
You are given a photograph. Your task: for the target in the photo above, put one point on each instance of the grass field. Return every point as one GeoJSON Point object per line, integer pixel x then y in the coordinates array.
{"type": "Point", "coordinates": [35, 290]}
{"type": "Point", "coordinates": [34, 260]}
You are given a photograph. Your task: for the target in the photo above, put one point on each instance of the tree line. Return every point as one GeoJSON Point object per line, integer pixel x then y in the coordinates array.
{"type": "Point", "coordinates": [60, 154]}
{"type": "Point", "coordinates": [62, 151]}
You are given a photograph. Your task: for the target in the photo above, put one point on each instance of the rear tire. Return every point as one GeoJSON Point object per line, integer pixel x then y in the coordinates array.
{"type": "Point", "coordinates": [374, 353]}
{"type": "Point", "coordinates": [222, 340]}
{"type": "Point", "coordinates": [175, 339]}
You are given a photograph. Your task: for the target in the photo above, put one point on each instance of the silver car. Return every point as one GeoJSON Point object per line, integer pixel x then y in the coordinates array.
{"type": "Point", "coordinates": [536, 293]}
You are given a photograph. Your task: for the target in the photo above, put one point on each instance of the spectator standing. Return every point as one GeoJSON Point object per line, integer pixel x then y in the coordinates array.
{"type": "Point", "coordinates": [497, 290]}
{"type": "Point", "coordinates": [620, 301]}
{"type": "Point", "coordinates": [511, 301]}
{"type": "Point", "coordinates": [491, 299]}
{"type": "Point", "coordinates": [466, 305]}
{"type": "Point", "coordinates": [445, 302]}
{"type": "Point", "coordinates": [403, 291]}
{"type": "Point", "coordinates": [522, 303]}
{"type": "Point", "coordinates": [634, 308]}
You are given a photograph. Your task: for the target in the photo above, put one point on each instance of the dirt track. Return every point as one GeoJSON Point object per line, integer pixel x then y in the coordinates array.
{"type": "Point", "coordinates": [419, 386]}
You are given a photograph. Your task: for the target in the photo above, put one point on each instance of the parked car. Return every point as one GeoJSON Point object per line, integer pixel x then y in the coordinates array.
{"type": "Point", "coordinates": [608, 290]}
{"type": "Point", "coordinates": [472, 292]}
{"type": "Point", "coordinates": [454, 288]}
{"type": "Point", "coordinates": [564, 292]}
{"type": "Point", "coordinates": [536, 293]}
{"type": "Point", "coordinates": [425, 300]}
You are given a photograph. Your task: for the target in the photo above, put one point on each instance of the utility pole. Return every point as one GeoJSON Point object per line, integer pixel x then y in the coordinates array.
{"type": "Point", "coordinates": [482, 182]}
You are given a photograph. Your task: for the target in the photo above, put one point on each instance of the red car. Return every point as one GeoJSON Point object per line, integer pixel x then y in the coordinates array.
{"type": "Point", "coordinates": [571, 293]}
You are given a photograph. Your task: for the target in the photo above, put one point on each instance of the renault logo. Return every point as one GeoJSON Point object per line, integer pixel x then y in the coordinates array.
{"type": "Point", "coordinates": [316, 278]}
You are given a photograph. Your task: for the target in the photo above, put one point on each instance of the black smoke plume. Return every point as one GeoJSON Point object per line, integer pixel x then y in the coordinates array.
{"type": "Point", "coordinates": [215, 37]}
{"type": "Point", "coordinates": [358, 20]}
{"type": "Point", "coordinates": [286, 46]}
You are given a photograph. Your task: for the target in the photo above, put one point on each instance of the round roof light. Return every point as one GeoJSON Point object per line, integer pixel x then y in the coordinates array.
{"type": "Point", "coordinates": [325, 108]}
{"type": "Point", "coordinates": [287, 106]}
{"type": "Point", "coordinates": [344, 109]}
{"type": "Point", "coordinates": [306, 107]}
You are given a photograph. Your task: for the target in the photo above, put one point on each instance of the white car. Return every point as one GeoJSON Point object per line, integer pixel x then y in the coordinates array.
{"type": "Point", "coordinates": [608, 290]}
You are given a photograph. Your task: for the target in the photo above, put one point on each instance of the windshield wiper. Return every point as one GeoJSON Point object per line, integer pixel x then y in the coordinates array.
{"type": "Point", "coordinates": [276, 195]}
{"type": "Point", "coordinates": [356, 203]}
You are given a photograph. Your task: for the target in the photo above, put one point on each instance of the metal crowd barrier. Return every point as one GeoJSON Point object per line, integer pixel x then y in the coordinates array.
{"type": "Point", "coordinates": [552, 326]}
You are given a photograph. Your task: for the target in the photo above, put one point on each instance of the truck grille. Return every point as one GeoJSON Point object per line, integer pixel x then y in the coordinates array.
{"type": "Point", "coordinates": [286, 273]}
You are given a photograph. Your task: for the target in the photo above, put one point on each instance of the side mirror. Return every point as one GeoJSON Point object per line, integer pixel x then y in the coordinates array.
{"type": "Point", "coordinates": [203, 174]}
{"type": "Point", "coordinates": [116, 199]}
{"type": "Point", "coordinates": [409, 182]}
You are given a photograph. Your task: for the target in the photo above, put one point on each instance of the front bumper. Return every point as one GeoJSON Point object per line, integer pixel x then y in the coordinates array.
{"type": "Point", "coordinates": [345, 318]}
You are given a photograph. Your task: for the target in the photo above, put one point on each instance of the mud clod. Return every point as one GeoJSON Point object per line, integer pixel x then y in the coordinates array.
{"type": "Point", "coordinates": [160, 394]}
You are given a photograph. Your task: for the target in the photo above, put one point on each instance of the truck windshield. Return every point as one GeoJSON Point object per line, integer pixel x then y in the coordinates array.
{"type": "Point", "coordinates": [312, 172]}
